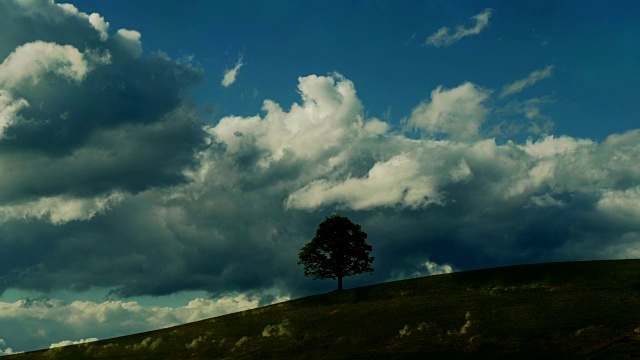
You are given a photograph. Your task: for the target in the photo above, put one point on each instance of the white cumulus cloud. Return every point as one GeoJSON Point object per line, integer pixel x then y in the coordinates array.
{"type": "Point", "coordinates": [432, 268]}
{"type": "Point", "coordinates": [329, 115]}
{"type": "Point", "coordinates": [397, 181]}
{"type": "Point", "coordinates": [95, 19]}
{"type": "Point", "coordinates": [100, 25]}
{"type": "Point", "coordinates": [621, 206]}
{"type": "Point", "coordinates": [130, 40]}
{"type": "Point", "coordinates": [32, 60]}
{"type": "Point", "coordinates": [457, 112]}
{"type": "Point", "coordinates": [4, 349]}
{"type": "Point", "coordinates": [72, 342]}
{"type": "Point", "coordinates": [426, 268]}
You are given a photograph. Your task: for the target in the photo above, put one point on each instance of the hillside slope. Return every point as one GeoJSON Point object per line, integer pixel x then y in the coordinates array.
{"type": "Point", "coordinates": [561, 310]}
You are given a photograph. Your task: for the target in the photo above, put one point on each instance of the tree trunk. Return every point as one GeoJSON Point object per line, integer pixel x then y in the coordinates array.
{"type": "Point", "coordinates": [339, 283]}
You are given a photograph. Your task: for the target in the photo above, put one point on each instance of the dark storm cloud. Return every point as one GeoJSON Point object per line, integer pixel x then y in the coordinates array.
{"type": "Point", "coordinates": [85, 114]}
{"type": "Point", "coordinates": [222, 242]}
{"type": "Point", "coordinates": [23, 22]}
{"type": "Point", "coordinates": [137, 91]}
{"type": "Point", "coordinates": [130, 157]}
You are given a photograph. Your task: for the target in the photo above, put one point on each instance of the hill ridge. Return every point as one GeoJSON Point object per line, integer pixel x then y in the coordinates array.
{"type": "Point", "coordinates": [584, 309]}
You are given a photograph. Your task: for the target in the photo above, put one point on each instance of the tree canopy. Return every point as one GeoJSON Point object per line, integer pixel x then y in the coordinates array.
{"type": "Point", "coordinates": [337, 250]}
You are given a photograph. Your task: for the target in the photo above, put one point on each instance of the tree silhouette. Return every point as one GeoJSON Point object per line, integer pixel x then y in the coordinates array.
{"type": "Point", "coordinates": [338, 250]}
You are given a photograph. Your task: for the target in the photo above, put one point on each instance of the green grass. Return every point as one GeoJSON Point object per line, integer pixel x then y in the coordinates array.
{"type": "Point", "coordinates": [585, 310]}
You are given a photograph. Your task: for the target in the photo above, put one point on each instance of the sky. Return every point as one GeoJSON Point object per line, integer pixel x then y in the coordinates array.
{"type": "Point", "coordinates": [163, 163]}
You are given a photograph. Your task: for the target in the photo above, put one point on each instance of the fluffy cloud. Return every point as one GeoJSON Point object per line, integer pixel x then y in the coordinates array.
{"type": "Point", "coordinates": [97, 21]}
{"type": "Point", "coordinates": [621, 207]}
{"type": "Point", "coordinates": [230, 75]}
{"type": "Point", "coordinates": [130, 40]}
{"type": "Point", "coordinates": [329, 117]}
{"type": "Point", "coordinates": [457, 112]}
{"type": "Point", "coordinates": [4, 350]}
{"type": "Point", "coordinates": [426, 268]}
{"type": "Point", "coordinates": [530, 80]}
{"type": "Point", "coordinates": [397, 181]}
{"type": "Point", "coordinates": [72, 342]}
{"type": "Point", "coordinates": [435, 269]}
{"type": "Point", "coordinates": [33, 60]}
{"type": "Point", "coordinates": [445, 36]}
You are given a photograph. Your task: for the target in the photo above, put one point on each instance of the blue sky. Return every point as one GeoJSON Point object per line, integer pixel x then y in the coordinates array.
{"type": "Point", "coordinates": [378, 45]}
{"type": "Point", "coordinates": [165, 163]}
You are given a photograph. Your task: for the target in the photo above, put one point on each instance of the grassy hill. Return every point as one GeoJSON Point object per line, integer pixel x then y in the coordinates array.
{"type": "Point", "coordinates": [586, 310]}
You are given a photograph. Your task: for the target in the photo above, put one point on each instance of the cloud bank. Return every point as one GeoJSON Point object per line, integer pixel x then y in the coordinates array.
{"type": "Point", "coordinates": [49, 323]}
{"type": "Point", "coordinates": [445, 36]}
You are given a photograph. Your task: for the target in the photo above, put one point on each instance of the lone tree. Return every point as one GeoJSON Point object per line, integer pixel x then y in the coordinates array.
{"type": "Point", "coordinates": [338, 250]}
